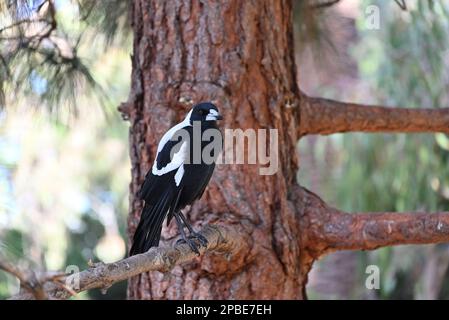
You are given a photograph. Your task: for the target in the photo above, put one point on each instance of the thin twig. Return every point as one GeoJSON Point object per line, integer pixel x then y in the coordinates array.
{"type": "Point", "coordinates": [327, 4]}
{"type": "Point", "coordinates": [29, 282]}
{"type": "Point", "coordinates": [402, 4]}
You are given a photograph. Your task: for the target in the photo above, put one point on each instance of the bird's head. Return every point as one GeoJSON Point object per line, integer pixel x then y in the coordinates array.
{"type": "Point", "coordinates": [204, 111]}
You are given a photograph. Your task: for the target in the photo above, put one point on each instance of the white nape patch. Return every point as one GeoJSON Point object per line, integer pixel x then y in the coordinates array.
{"type": "Point", "coordinates": [212, 115]}
{"type": "Point", "coordinates": [179, 174]}
{"type": "Point", "coordinates": [169, 134]}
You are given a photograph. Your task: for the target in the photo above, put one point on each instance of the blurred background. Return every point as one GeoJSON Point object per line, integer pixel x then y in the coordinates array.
{"type": "Point", "coordinates": [64, 164]}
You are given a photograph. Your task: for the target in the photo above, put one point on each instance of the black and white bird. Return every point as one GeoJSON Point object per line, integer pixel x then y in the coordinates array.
{"type": "Point", "coordinates": [176, 179]}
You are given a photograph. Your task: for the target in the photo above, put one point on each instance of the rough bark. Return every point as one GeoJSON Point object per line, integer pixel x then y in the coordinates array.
{"type": "Point", "coordinates": [327, 229]}
{"type": "Point", "coordinates": [325, 116]}
{"type": "Point", "coordinates": [238, 54]}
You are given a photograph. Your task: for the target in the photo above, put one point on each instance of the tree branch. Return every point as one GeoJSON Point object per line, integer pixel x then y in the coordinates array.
{"type": "Point", "coordinates": [222, 239]}
{"type": "Point", "coordinates": [402, 4]}
{"type": "Point", "coordinates": [369, 231]}
{"type": "Point", "coordinates": [32, 282]}
{"type": "Point", "coordinates": [324, 116]}
{"type": "Point", "coordinates": [327, 229]}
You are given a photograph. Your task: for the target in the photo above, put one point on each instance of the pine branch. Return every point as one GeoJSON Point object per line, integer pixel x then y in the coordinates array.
{"type": "Point", "coordinates": [368, 231]}
{"type": "Point", "coordinates": [328, 229]}
{"type": "Point", "coordinates": [221, 239]}
{"type": "Point", "coordinates": [402, 4]}
{"type": "Point", "coordinates": [324, 116]}
{"type": "Point", "coordinates": [322, 5]}
{"type": "Point", "coordinates": [31, 281]}
{"type": "Point", "coordinates": [36, 49]}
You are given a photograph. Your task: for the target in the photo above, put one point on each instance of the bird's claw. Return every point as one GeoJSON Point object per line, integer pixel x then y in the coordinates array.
{"type": "Point", "coordinates": [191, 241]}
{"type": "Point", "coordinates": [202, 239]}
{"type": "Point", "coordinates": [191, 244]}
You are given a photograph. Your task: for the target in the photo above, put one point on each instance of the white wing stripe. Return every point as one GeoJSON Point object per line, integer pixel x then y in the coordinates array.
{"type": "Point", "coordinates": [169, 134]}
{"type": "Point", "coordinates": [178, 157]}
{"type": "Point", "coordinates": [176, 161]}
{"type": "Point", "coordinates": [179, 174]}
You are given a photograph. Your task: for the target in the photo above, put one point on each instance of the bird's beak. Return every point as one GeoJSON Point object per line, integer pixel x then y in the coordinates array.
{"type": "Point", "coordinates": [219, 117]}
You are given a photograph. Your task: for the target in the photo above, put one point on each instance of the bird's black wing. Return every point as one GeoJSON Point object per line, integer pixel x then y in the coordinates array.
{"type": "Point", "coordinates": [209, 170]}
{"type": "Point", "coordinates": [161, 194]}
{"type": "Point", "coordinates": [206, 182]}
{"type": "Point", "coordinates": [163, 158]}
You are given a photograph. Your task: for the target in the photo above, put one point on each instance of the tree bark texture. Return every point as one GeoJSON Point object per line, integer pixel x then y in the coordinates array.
{"type": "Point", "coordinates": [325, 116]}
{"type": "Point", "coordinates": [239, 55]}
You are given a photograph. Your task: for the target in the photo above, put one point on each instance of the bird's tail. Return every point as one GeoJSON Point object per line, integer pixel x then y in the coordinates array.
{"type": "Point", "coordinates": [148, 232]}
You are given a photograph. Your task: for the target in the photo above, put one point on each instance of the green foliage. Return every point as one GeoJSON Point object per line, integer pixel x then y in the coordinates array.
{"type": "Point", "coordinates": [111, 18]}
{"type": "Point", "coordinates": [313, 31]}
{"type": "Point", "coordinates": [412, 168]}
{"type": "Point", "coordinates": [64, 180]}
{"type": "Point", "coordinates": [404, 63]}
{"type": "Point", "coordinates": [44, 45]}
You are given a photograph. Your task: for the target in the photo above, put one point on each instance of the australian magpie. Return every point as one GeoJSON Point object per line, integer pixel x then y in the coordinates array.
{"type": "Point", "coordinates": [178, 177]}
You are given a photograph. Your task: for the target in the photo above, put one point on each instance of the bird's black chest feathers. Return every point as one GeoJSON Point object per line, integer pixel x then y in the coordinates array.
{"type": "Point", "coordinates": [199, 167]}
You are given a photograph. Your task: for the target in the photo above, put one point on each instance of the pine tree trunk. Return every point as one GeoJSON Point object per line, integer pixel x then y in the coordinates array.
{"type": "Point", "coordinates": [238, 54]}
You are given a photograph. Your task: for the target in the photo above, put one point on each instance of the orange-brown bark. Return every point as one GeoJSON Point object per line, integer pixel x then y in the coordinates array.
{"type": "Point", "coordinates": [368, 231]}
{"type": "Point", "coordinates": [325, 116]}
{"type": "Point", "coordinates": [327, 229]}
{"type": "Point", "coordinates": [239, 55]}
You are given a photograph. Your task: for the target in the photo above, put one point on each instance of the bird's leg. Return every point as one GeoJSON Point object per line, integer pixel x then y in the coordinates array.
{"type": "Point", "coordinates": [189, 241]}
{"type": "Point", "coordinates": [202, 239]}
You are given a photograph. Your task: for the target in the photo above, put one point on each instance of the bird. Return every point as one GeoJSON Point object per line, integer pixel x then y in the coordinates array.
{"type": "Point", "coordinates": [176, 180]}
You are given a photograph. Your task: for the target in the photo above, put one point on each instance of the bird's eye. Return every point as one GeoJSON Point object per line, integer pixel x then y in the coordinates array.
{"type": "Point", "coordinates": [204, 112]}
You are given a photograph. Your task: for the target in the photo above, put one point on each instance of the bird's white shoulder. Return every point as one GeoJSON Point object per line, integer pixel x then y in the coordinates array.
{"type": "Point", "coordinates": [179, 157]}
